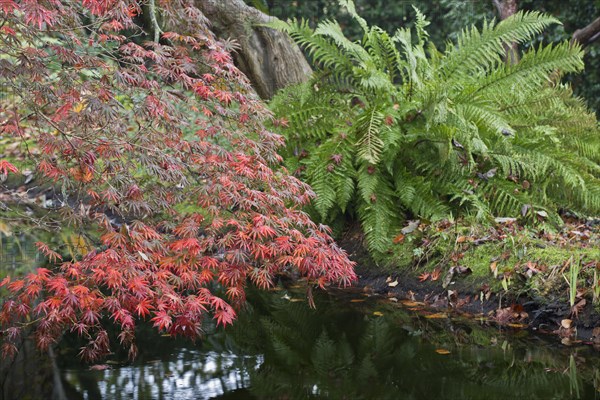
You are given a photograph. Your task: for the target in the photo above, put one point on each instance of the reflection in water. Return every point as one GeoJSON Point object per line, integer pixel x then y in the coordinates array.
{"type": "Point", "coordinates": [281, 349]}
{"type": "Point", "coordinates": [188, 374]}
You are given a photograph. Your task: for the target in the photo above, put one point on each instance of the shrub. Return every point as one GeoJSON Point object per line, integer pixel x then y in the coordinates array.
{"type": "Point", "coordinates": [162, 147]}
{"type": "Point", "coordinates": [390, 127]}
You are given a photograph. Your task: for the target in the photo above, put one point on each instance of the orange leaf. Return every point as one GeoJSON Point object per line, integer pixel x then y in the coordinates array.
{"type": "Point", "coordinates": [442, 351]}
{"type": "Point", "coordinates": [424, 276]}
{"type": "Point", "coordinates": [494, 268]}
{"type": "Point", "coordinates": [399, 239]}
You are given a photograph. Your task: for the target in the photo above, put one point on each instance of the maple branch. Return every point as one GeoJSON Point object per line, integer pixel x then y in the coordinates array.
{"type": "Point", "coordinates": [153, 20]}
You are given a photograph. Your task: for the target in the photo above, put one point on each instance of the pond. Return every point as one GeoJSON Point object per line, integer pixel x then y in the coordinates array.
{"type": "Point", "coordinates": [349, 347]}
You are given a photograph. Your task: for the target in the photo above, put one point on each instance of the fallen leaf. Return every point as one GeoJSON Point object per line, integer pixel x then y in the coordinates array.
{"type": "Point", "coordinates": [452, 295]}
{"type": "Point", "coordinates": [504, 284]}
{"type": "Point", "coordinates": [503, 316]}
{"type": "Point", "coordinates": [412, 226]}
{"type": "Point", "coordinates": [566, 323]}
{"type": "Point", "coordinates": [576, 309]}
{"type": "Point", "coordinates": [442, 351]}
{"type": "Point", "coordinates": [461, 239]}
{"type": "Point", "coordinates": [357, 300]}
{"type": "Point", "coordinates": [448, 278]}
{"type": "Point", "coordinates": [490, 174]}
{"type": "Point", "coordinates": [393, 284]}
{"type": "Point", "coordinates": [518, 326]}
{"type": "Point", "coordinates": [435, 274]}
{"type": "Point", "coordinates": [393, 299]}
{"type": "Point", "coordinates": [542, 214]}
{"type": "Point", "coordinates": [437, 316]}
{"type": "Point", "coordinates": [378, 313]}
{"type": "Point", "coordinates": [494, 268]}
{"type": "Point", "coordinates": [409, 303]}
{"type": "Point", "coordinates": [501, 220]}
{"type": "Point", "coordinates": [424, 276]}
{"type": "Point", "coordinates": [461, 269]}
{"type": "Point", "coordinates": [399, 239]}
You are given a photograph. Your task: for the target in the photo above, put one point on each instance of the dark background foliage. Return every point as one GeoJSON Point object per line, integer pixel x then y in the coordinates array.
{"type": "Point", "coordinates": [448, 17]}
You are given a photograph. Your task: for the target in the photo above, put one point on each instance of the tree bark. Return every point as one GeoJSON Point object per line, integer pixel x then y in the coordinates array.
{"type": "Point", "coordinates": [587, 35]}
{"type": "Point", "coordinates": [269, 58]}
{"type": "Point", "coordinates": [506, 8]}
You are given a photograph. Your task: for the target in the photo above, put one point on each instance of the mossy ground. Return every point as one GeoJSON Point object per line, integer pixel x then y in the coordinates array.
{"type": "Point", "coordinates": [487, 268]}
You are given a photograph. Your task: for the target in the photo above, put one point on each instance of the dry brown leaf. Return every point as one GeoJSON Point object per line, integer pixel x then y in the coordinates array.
{"type": "Point", "coordinates": [437, 316]}
{"type": "Point", "coordinates": [518, 326]}
{"type": "Point", "coordinates": [409, 303]}
{"type": "Point", "coordinates": [494, 268]}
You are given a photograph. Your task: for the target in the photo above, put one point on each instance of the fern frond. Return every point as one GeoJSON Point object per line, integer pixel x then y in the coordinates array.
{"type": "Point", "coordinates": [370, 144]}
{"type": "Point", "coordinates": [534, 68]}
{"type": "Point", "coordinates": [349, 5]}
{"type": "Point", "coordinates": [332, 30]}
{"type": "Point", "coordinates": [388, 128]}
{"type": "Point", "coordinates": [479, 51]}
{"type": "Point", "coordinates": [379, 217]}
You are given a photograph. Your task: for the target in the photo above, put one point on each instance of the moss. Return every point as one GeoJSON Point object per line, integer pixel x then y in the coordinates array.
{"type": "Point", "coordinates": [479, 258]}
{"type": "Point", "coordinates": [508, 248]}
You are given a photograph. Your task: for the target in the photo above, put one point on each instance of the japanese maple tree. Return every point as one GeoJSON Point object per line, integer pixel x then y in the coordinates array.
{"type": "Point", "coordinates": [160, 145]}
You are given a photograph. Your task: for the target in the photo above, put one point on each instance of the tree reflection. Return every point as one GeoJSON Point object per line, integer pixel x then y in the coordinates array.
{"type": "Point", "coordinates": [344, 354]}
{"type": "Point", "coordinates": [281, 349]}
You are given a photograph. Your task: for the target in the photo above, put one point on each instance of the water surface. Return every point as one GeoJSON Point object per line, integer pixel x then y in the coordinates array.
{"type": "Point", "coordinates": [349, 347]}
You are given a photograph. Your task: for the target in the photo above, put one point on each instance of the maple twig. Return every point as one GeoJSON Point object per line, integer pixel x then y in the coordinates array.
{"type": "Point", "coordinates": [154, 21]}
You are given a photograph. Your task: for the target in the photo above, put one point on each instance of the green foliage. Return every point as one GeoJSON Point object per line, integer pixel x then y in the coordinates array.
{"type": "Point", "coordinates": [450, 16]}
{"type": "Point", "coordinates": [389, 127]}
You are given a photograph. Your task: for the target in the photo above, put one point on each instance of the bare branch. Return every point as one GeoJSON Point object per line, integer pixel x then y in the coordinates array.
{"type": "Point", "coordinates": [588, 34]}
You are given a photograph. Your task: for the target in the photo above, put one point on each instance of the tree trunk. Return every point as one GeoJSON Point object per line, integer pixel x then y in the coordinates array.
{"type": "Point", "coordinates": [506, 8]}
{"type": "Point", "coordinates": [269, 58]}
{"type": "Point", "coordinates": [587, 35]}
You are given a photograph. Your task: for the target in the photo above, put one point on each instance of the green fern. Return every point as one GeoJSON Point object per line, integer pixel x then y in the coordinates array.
{"type": "Point", "coordinates": [389, 128]}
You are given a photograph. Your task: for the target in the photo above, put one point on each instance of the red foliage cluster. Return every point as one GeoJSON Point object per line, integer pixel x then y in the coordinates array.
{"type": "Point", "coordinates": [161, 146]}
